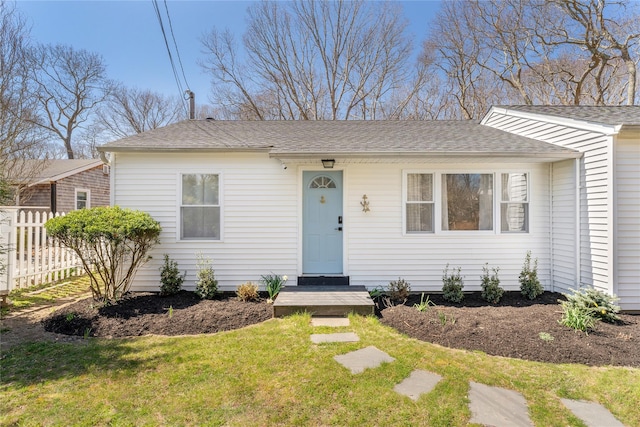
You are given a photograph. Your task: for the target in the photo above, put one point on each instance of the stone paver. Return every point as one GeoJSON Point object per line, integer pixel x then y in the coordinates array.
{"type": "Point", "coordinates": [498, 407]}
{"type": "Point", "coordinates": [330, 321]}
{"type": "Point", "coordinates": [591, 413]}
{"type": "Point", "coordinates": [359, 360]}
{"type": "Point", "coordinates": [341, 337]}
{"type": "Point", "coordinates": [417, 383]}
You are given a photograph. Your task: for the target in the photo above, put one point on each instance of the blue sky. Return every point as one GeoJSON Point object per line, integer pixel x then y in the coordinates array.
{"type": "Point", "coordinates": [128, 36]}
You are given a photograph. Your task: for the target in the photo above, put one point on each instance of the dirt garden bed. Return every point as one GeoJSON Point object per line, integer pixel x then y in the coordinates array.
{"type": "Point", "coordinates": [516, 327]}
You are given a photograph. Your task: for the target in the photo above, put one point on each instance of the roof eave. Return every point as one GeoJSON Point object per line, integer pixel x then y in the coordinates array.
{"type": "Point", "coordinates": [107, 149]}
{"type": "Point", "coordinates": [426, 155]}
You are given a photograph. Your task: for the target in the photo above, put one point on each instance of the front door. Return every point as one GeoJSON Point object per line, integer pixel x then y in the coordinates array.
{"type": "Point", "coordinates": [322, 223]}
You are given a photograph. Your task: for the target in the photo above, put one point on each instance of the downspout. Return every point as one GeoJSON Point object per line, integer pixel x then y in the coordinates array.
{"type": "Point", "coordinates": [54, 197]}
{"type": "Point", "coordinates": [551, 242]}
{"type": "Point", "coordinates": [578, 228]}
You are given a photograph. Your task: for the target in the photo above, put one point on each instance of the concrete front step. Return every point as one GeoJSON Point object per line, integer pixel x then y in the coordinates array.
{"type": "Point", "coordinates": [323, 301]}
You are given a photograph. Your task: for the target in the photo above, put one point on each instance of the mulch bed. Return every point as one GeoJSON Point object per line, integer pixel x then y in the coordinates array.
{"type": "Point", "coordinates": [511, 328]}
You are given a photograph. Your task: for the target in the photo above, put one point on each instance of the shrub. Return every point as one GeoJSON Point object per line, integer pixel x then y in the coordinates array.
{"type": "Point", "coordinates": [398, 290]}
{"type": "Point", "coordinates": [452, 285]}
{"type": "Point", "coordinates": [273, 284]}
{"type": "Point", "coordinates": [247, 292]}
{"type": "Point", "coordinates": [170, 277]}
{"type": "Point", "coordinates": [529, 284]}
{"type": "Point", "coordinates": [112, 243]}
{"type": "Point", "coordinates": [206, 283]}
{"type": "Point", "coordinates": [599, 304]}
{"type": "Point", "coordinates": [491, 290]}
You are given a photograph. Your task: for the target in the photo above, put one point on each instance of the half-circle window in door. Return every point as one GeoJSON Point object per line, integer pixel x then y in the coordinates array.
{"type": "Point", "coordinates": [322, 182]}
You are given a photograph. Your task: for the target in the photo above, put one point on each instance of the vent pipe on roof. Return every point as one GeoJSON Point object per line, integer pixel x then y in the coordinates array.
{"type": "Point", "coordinates": [192, 104]}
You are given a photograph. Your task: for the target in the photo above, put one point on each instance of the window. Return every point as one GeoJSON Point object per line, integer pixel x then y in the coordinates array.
{"type": "Point", "coordinates": [467, 201]}
{"type": "Point", "coordinates": [82, 199]}
{"type": "Point", "coordinates": [200, 207]}
{"type": "Point", "coordinates": [514, 203]}
{"type": "Point", "coordinates": [419, 205]}
{"type": "Point", "coordinates": [322, 182]}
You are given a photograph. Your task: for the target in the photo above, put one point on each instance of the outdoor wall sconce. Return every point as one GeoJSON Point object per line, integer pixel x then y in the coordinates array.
{"type": "Point", "coordinates": [365, 203]}
{"type": "Point", "coordinates": [328, 163]}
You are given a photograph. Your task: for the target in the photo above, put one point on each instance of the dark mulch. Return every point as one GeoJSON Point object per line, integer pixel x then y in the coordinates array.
{"type": "Point", "coordinates": [149, 313]}
{"type": "Point", "coordinates": [511, 328]}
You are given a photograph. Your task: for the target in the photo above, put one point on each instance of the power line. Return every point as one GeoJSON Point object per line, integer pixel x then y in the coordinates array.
{"type": "Point", "coordinates": [166, 7]}
{"type": "Point", "coordinates": [166, 43]}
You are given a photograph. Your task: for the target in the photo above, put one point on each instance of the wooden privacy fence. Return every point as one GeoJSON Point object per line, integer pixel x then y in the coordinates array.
{"type": "Point", "coordinates": [30, 256]}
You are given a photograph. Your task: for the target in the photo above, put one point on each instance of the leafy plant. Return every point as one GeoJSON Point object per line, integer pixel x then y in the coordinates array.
{"type": "Point", "coordinates": [398, 290]}
{"type": "Point", "coordinates": [170, 311]}
{"type": "Point", "coordinates": [87, 333]}
{"type": "Point", "coordinates": [491, 290]}
{"type": "Point", "coordinates": [452, 285]}
{"type": "Point", "coordinates": [376, 292]}
{"type": "Point", "coordinates": [545, 336]}
{"type": "Point", "coordinates": [424, 304]}
{"type": "Point", "coordinates": [273, 284]}
{"type": "Point", "coordinates": [206, 283]}
{"type": "Point", "coordinates": [601, 305]}
{"type": "Point", "coordinates": [444, 319]}
{"type": "Point", "coordinates": [247, 292]}
{"type": "Point", "coordinates": [170, 277]}
{"type": "Point", "coordinates": [529, 283]}
{"type": "Point", "coordinates": [70, 316]}
{"type": "Point", "coordinates": [577, 318]}
{"type": "Point", "coordinates": [112, 243]}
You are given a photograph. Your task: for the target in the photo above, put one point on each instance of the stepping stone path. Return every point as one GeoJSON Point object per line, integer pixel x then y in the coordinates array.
{"type": "Point", "coordinates": [489, 406]}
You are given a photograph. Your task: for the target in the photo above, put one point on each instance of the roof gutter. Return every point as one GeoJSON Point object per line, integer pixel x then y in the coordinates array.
{"type": "Point", "coordinates": [426, 155]}
{"type": "Point", "coordinates": [107, 149]}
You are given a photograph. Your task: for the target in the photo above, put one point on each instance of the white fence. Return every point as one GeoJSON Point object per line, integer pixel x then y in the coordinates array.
{"type": "Point", "coordinates": [30, 256]}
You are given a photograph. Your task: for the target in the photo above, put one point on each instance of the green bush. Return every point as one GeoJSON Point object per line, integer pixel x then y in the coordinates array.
{"type": "Point", "coordinates": [112, 243]}
{"type": "Point", "coordinates": [530, 285]}
{"type": "Point", "coordinates": [398, 290]}
{"type": "Point", "coordinates": [599, 304]}
{"type": "Point", "coordinates": [247, 292]}
{"type": "Point", "coordinates": [170, 278]}
{"type": "Point", "coordinates": [273, 284]}
{"type": "Point", "coordinates": [491, 290]}
{"type": "Point", "coordinates": [452, 285]}
{"type": "Point", "coordinates": [577, 318]}
{"type": "Point", "coordinates": [206, 283]}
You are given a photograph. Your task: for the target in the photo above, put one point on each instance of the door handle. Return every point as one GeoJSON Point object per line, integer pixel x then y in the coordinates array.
{"type": "Point", "coordinates": [338, 229]}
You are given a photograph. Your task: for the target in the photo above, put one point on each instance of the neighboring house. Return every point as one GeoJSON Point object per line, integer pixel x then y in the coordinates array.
{"type": "Point", "coordinates": [372, 201]}
{"type": "Point", "coordinates": [63, 185]}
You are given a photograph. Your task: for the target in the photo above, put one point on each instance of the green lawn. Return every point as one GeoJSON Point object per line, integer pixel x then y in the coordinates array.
{"type": "Point", "coordinates": [271, 374]}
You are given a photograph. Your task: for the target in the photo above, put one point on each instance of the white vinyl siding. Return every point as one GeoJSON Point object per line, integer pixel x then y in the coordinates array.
{"type": "Point", "coordinates": [259, 214]}
{"type": "Point", "coordinates": [628, 223]}
{"type": "Point", "coordinates": [380, 251]}
{"type": "Point", "coordinates": [563, 212]}
{"type": "Point", "coordinates": [596, 190]}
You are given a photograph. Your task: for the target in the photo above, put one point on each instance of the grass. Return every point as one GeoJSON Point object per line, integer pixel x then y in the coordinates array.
{"type": "Point", "coordinates": [47, 293]}
{"type": "Point", "coordinates": [271, 374]}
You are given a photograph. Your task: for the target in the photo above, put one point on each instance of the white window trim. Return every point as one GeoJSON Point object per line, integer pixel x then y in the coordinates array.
{"type": "Point", "coordinates": [436, 217]}
{"type": "Point", "coordinates": [75, 198]}
{"type": "Point", "coordinates": [179, 206]}
{"type": "Point", "coordinates": [437, 197]}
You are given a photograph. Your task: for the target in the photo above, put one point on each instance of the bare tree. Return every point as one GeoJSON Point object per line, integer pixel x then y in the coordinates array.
{"type": "Point", "coordinates": [69, 84]}
{"type": "Point", "coordinates": [129, 111]}
{"type": "Point", "coordinates": [314, 60]}
{"type": "Point", "coordinates": [19, 138]}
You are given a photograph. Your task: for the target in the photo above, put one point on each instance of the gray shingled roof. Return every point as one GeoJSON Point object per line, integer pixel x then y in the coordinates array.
{"type": "Point", "coordinates": [299, 138]}
{"type": "Point", "coordinates": [607, 115]}
{"type": "Point", "coordinates": [53, 170]}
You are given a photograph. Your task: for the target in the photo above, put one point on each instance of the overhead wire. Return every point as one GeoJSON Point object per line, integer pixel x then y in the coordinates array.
{"type": "Point", "coordinates": [171, 60]}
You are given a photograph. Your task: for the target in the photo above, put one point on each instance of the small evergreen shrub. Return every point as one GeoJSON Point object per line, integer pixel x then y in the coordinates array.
{"type": "Point", "coordinates": [170, 278]}
{"type": "Point", "coordinates": [530, 285]}
{"type": "Point", "coordinates": [206, 283]}
{"type": "Point", "coordinates": [398, 290]}
{"type": "Point", "coordinates": [452, 285]}
{"type": "Point", "coordinates": [247, 292]}
{"type": "Point", "coordinates": [273, 284]}
{"type": "Point", "coordinates": [491, 290]}
{"type": "Point", "coordinates": [601, 305]}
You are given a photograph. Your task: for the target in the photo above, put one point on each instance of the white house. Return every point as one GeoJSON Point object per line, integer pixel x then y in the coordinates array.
{"type": "Point", "coordinates": [372, 201]}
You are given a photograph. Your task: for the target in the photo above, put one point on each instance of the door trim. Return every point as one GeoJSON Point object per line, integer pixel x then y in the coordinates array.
{"type": "Point", "coordinates": [345, 225]}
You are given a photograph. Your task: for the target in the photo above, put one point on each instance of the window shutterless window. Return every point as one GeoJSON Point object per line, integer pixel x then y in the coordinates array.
{"type": "Point", "coordinates": [200, 207]}
{"type": "Point", "coordinates": [514, 203]}
{"type": "Point", "coordinates": [82, 199]}
{"type": "Point", "coordinates": [419, 203]}
{"type": "Point", "coordinates": [467, 201]}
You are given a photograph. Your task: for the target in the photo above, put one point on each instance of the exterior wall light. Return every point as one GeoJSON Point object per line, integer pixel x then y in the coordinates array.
{"type": "Point", "coordinates": [328, 163]}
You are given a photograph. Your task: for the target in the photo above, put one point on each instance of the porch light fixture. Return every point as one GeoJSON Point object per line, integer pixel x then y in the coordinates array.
{"type": "Point", "coordinates": [328, 163]}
